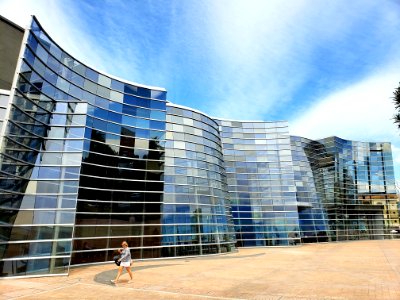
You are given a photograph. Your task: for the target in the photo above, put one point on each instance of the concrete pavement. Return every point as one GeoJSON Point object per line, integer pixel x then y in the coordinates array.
{"type": "Point", "coordinates": [347, 270]}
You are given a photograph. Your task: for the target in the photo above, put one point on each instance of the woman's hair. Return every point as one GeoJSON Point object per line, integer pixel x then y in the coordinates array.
{"type": "Point", "coordinates": [125, 243]}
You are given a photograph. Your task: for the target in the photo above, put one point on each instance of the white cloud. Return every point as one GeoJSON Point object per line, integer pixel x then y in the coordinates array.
{"type": "Point", "coordinates": [361, 112]}
{"type": "Point", "coordinates": [60, 21]}
{"type": "Point", "coordinates": [268, 50]}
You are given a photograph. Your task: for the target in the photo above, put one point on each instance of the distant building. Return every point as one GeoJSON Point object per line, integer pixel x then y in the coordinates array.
{"type": "Point", "coordinates": [88, 160]}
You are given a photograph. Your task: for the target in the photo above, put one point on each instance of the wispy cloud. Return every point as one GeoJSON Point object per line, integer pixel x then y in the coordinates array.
{"type": "Point", "coordinates": [362, 112]}
{"type": "Point", "coordinates": [59, 19]}
{"type": "Point", "coordinates": [273, 55]}
{"type": "Point", "coordinates": [304, 61]}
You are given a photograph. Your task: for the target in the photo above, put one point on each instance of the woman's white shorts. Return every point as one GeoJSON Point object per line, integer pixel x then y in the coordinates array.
{"type": "Point", "coordinates": [125, 263]}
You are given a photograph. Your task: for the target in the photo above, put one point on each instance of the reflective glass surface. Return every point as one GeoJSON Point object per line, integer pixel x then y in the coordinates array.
{"type": "Point", "coordinates": [88, 161]}
{"type": "Point", "coordinates": [260, 179]}
{"type": "Point", "coordinates": [196, 207]}
{"type": "Point", "coordinates": [346, 189]}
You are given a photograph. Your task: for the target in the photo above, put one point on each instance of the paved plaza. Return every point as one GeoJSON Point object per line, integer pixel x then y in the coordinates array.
{"type": "Point", "coordinates": [347, 270]}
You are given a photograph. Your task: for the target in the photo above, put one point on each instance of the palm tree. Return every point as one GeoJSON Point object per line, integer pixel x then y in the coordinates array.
{"type": "Point", "coordinates": [396, 100]}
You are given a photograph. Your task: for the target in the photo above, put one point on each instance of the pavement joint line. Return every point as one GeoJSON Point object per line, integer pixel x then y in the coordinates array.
{"type": "Point", "coordinates": [389, 262]}
{"type": "Point", "coordinates": [173, 293]}
{"type": "Point", "coordinates": [46, 291]}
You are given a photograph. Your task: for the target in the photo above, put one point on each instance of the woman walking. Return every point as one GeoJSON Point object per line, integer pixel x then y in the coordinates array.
{"type": "Point", "coordinates": [125, 260]}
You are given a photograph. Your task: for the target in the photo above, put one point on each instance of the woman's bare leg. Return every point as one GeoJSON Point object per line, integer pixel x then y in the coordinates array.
{"type": "Point", "coordinates": [119, 273]}
{"type": "Point", "coordinates": [129, 272]}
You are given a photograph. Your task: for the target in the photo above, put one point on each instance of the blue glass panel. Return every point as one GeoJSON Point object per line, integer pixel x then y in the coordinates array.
{"type": "Point", "coordinates": [32, 42]}
{"type": "Point", "coordinates": [115, 128]}
{"type": "Point", "coordinates": [89, 97]}
{"type": "Point", "coordinates": [130, 121]}
{"type": "Point", "coordinates": [144, 92]}
{"type": "Point", "coordinates": [130, 89]}
{"type": "Point", "coordinates": [76, 91]}
{"type": "Point", "coordinates": [158, 95]}
{"type": "Point", "coordinates": [157, 114]}
{"type": "Point", "coordinates": [117, 85]}
{"type": "Point", "coordinates": [77, 79]}
{"type": "Point", "coordinates": [129, 110]}
{"type": "Point", "coordinates": [100, 125]}
{"type": "Point", "coordinates": [129, 99]}
{"type": "Point", "coordinates": [49, 172]}
{"type": "Point", "coordinates": [143, 102]}
{"type": "Point", "coordinates": [29, 57]}
{"type": "Point", "coordinates": [157, 125]}
{"type": "Point", "coordinates": [100, 113]}
{"type": "Point", "coordinates": [92, 75]}
{"type": "Point", "coordinates": [143, 133]}
{"type": "Point", "coordinates": [71, 173]}
{"type": "Point", "coordinates": [102, 102]}
{"type": "Point", "coordinates": [142, 112]}
{"type": "Point", "coordinates": [35, 27]}
{"type": "Point", "coordinates": [114, 106]}
{"type": "Point", "coordinates": [143, 123]}
{"type": "Point", "coordinates": [50, 76]}
{"type": "Point", "coordinates": [158, 104]}
{"type": "Point", "coordinates": [114, 117]}
{"type": "Point", "coordinates": [53, 64]}
{"type": "Point", "coordinates": [46, 202]}
{"type": "Point", "coordinates": [88, 130]}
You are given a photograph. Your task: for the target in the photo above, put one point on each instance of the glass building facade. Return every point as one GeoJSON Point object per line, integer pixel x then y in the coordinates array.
{"type": "Point", "coordinates": [197, 217]}
{"type": "Point", "coordinates": [88, 160]}
{"type": "Point", "coordinates": [350, 188]}
{"type": "Point", "coordinates": [259, 170]}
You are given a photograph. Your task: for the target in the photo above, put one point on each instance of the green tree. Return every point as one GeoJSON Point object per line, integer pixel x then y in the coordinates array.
{"type": "Point", "coordinates": [396, 100]}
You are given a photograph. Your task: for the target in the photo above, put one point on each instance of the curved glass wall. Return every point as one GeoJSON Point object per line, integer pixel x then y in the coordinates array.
{"type": "Point", "coordinates": [82, 158]}
{"type": "Point", "coordinates": [69, 124]}
{"type": "Point", "coordinates": [41, 156]}
{"type": "Point", "coordinates": [197, 217]}
{"type": "Point", "coordinates": [260, 179]}
{"type": "Point", "coordinates": [312, 217]}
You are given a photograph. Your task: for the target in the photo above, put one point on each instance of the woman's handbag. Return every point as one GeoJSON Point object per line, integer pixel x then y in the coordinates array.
{"type": "Point", "coordinates": [116, 260]}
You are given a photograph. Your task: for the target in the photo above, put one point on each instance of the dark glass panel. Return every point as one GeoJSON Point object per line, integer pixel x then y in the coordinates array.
{"type": "Point", "coordinates": [130, 89]}
{"type": "Point", "coordinates": [143, 92]}
{"type": "Point", "coordinates": [143, 102]}
{"type": "Point", "coordinates": [10, 216]}
{"type": "Point", "coordinates": [94, 256]}
{"type": "Point", "coordinates": [99, 207]}
{"type": "Point", "coordinates": [95, 194]}
{"type": "Point", "coordinates": [32, 42]}
{"type": "Point", "coordinates": [129, 110]}
{"type": "Point", "coordinates": [127, 207]}
{"type": "Point", "coordinates": [114, 117]}
{"type": "Point", "coordinates": [127, 219]}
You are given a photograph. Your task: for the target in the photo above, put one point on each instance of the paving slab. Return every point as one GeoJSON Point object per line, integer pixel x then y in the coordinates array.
{"type": "Point", "coordinates": [346, 270]}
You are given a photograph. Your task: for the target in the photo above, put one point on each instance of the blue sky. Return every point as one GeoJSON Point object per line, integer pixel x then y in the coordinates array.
{"type": "Point", "coordinates": [328, 67]}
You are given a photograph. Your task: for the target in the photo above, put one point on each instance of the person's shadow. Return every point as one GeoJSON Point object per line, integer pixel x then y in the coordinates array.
{"type": "Point", "coordinates": [106, 276]}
